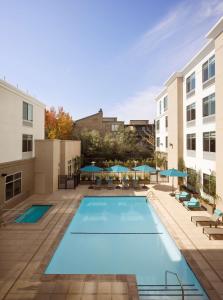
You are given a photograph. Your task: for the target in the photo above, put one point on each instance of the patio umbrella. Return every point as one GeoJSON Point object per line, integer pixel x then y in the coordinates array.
{"type": "Point", "coordinates": [173, 173]}
{"type": "Point", "coordinates": [117, 169]}
{"type": "Point", "coordinates": [145, 169]}
{"type": "Point", "coordinates": [91, 169]}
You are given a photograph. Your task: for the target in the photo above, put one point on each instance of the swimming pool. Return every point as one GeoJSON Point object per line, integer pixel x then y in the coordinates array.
{"type": "Point", "coordinates": [33, 214]}
{"type": "Point", "coordinates": [122, 235]}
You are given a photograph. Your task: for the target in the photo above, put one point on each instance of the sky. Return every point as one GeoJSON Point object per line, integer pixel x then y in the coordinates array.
{"type": "Point", "coordinates": [111, 54]}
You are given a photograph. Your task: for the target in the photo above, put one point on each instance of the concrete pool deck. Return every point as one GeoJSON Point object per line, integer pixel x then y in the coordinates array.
{"type": "Point", "coordinates": [25, 250]}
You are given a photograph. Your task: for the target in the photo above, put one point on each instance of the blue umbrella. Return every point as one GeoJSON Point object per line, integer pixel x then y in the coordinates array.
{"type": "Point", "coordinates": [173, 173]}
{"type": "Point", "coordinates": [145, 169]}
{"type": "Point", "coordinates": [91, 169]}
{"type": "Point", "coordinates": [118, 169]}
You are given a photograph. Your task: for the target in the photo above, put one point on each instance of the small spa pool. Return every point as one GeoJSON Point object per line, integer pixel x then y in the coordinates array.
{"type": "Point", "coordinates": [33, 214]}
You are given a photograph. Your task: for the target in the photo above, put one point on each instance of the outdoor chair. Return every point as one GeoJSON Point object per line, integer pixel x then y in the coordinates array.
{"type": "Point", "coordinates": [212, 220]}
{"type": "Point", "coordinates": [193, 203]}
{"type": "Point", "coordinates": [125, 185]}
{"type": "Point", "coordinates": [98, 184]}
{"type": "Point", "coordinates": [110, 185]}
{"type": "Point", "coordinates": [182, 196]}
{"type": "Point", "coordinates": [213, 232]}
{"type": "Point", "coordinates": [136, 185]}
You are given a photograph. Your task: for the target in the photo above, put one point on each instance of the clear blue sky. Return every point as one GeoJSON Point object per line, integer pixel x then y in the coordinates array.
{"type": "Point", "coordinates": [110, 54]}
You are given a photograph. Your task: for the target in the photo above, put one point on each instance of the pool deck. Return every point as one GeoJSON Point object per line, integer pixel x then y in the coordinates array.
{"type": "Point", "coordinates": [25, 250]}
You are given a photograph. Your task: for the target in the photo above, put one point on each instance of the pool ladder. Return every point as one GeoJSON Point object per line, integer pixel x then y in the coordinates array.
{"type": "Point", "coordinates": [169, 291]}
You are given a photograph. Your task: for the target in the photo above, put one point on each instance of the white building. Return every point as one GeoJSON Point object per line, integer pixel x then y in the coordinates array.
{"type": "Point", "coordinates": [21, 122]}
{"type": "Point", "coordinates": [195, 114]}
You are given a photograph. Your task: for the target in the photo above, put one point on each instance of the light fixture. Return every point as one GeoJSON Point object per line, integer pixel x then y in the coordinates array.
{"type": "Point", "coordinates": [171, 145]}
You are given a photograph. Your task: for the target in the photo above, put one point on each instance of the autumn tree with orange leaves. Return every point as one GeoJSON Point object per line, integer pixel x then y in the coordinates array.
{"type": "Point", "coordinates": [58, 124]}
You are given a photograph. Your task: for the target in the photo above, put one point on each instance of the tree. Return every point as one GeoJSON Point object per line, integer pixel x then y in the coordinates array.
{"type": "Point", "coordinates": [58, 125]}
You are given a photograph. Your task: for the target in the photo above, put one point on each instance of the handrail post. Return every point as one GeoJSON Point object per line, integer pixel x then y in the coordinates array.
{"type": "Point", "coordinates": [178, 279]}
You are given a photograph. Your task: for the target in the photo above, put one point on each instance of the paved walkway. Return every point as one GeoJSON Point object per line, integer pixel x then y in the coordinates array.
{"type": "Point", "coordinates": [25, 250]}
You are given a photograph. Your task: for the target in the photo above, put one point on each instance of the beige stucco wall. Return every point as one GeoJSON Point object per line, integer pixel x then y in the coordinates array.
{"type": "Point", "coordinates": [68, 151]}
{"type": "Point", "coordinates": [93, 122]}
{"type": "Point", "coordinates": [219, 114]}
{"type": "Point", "coordinates": [175, 121]}
{"type": "Point", "coordinates": [47, 164]}
{"type": "Point", "coordinates": [11, 122]}
{"type": "Point", "coordinates": [27, 168]}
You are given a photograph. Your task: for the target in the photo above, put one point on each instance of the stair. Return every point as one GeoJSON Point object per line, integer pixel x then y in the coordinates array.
{"type": "Point", "coordinates": [170, 291]}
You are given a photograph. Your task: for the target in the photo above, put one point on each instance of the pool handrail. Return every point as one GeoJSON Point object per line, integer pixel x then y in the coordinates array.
{"type": "Point", "coordinates": [175, 274]}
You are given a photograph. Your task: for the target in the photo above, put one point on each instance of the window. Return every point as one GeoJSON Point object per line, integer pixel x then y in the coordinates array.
{"type": "Point", "coordinates": [27, 143]}
{"type": "Point", "coordinates": [209, 105]}
{"type": "Point", "coordinates": [190, 83]}
{"type": "Point", "coordinates": [166, 141]}
{"type": "Point", "coordinates": [27, 112]}
{"type": "Point", "coordinates": [165, 103]}
{"type": "Point", "coordinates": [13, 185]}
{"type": "Point", "coordinates": [209, 184]}
{"type": "Point", "coordinates": [208, 69]}
{"type": "Point", "coordinates": [166, 122]}
{"type": "Point", "coordinates": [209, 141]}
{"type": "Point", "coordinates": [158, 142]}
{"type": "Point", "coordinates": [160, 105]}
{"type": "Point", "coordinates": [191, 141]}
{"type": "Point", "coordinates": [114, 127]}
{"type": "Point", "coordinates": [191, 112]}
{"type": "Point", "coordinates": [191, 177]}
{"type": "Point", "coordinates": [158, 125]}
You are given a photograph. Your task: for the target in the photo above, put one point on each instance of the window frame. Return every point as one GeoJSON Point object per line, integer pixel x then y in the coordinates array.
{"type": "Point", "coordinates": [158, 125]}
{"type": "Point", "coordinates": [165, 103]}
{"type": "Point", "coordinates": [207, 66]}
{"type": "Point", "coordinates": [166, 122]}
{"type": "Point", "coordinates": [207, 189]}
{"type": "Point", "coordinates": [27, 114]}
{"type": "Point", "coordinates": [158, 144]}
{"type": "Point", "coordinates": [114, 127]}
{"type": "Point", "coordinates": [27, 143]}
{"type": "Point", "coordinates": [189, 112]}
{"type": "Point", "coordinates": [166, 141]}
{"type": "Point", "coordinates": [209, 100]}
{"type": "Point", "coordinates": [13, 185]}
{"type": "Point", "coordinates": [207, 142]}
{"type": "Point", "coordinates": [190, 83]}
{"type": "Point", "coordinates": [191, 141]}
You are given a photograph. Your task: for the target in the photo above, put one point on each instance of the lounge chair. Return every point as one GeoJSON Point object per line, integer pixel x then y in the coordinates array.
{"type": "Point", "coordinates": [98, 184]}
{"type": "Point", "coordinates": [193, 203]}
{"type": "Point", "coordinates": [136, 185]}
{"type": "Point", "coordinates": [213, 231]}
{"type": "Point", "coordinates": [182, 196]}
{"type": "Point", "coordinates": [110, 185]}
{"type": "Point", "coordinates": [125, 185]}
{"type": "Point", "coordinates": [212, 220]}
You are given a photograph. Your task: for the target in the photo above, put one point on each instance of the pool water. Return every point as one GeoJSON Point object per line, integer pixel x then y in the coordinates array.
{"type": "Point", "coordinates": [33, 214]}
{"type": "Point", "coordinates": [120, 235]}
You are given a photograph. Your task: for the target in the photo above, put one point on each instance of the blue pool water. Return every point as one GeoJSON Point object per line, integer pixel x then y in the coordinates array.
{"type": "Point", "coordinates": [33, 214]}
{"type": "Point", "coordinates": [120, 235]}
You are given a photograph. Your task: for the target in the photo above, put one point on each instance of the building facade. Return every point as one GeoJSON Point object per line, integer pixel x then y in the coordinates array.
{"type": "Point", "coordinates": [21, 123]}
{"type": "Point", "coordinates": [28, 163]}
{"type": "Point", "coordinates": [189, 122]}
{"type": "Point", "coordinates": [99, 122]}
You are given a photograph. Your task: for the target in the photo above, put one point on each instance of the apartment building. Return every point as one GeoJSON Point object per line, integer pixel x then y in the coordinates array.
{"type": "Point", "coordinates": [28, 163]}
{"type": "Point", "coordinates": [189, 122]}
{"type": "Point", "coordinates": [99, 122]}
{"type": "Point", "coordinates": [21, 123]}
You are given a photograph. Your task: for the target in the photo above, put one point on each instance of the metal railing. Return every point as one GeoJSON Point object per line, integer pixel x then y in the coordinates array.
{"type": "Point", "coordinates": [180, 283]}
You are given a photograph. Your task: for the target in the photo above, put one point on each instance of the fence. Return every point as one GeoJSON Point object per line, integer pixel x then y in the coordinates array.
{"type": "Point", "coordinates": [68, 182]}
